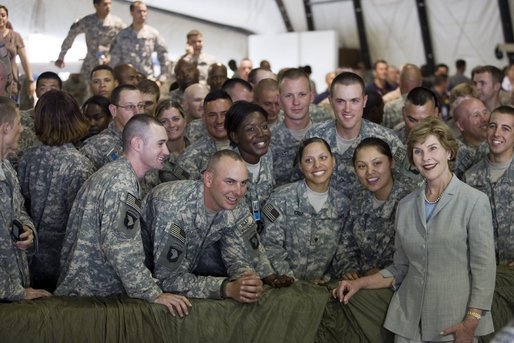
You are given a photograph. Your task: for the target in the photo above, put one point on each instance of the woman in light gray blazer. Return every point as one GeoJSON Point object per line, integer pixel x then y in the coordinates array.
{"type": "Point", "coordinates": [444, 267]}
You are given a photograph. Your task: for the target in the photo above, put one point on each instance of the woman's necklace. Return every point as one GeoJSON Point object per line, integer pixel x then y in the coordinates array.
{"type": "Point", "coordinates": [435, 201]}
{"type": "Point", "coordinates": [438, 197]}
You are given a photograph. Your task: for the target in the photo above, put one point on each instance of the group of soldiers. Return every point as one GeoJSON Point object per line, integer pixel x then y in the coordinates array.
{"type": "Point", "coordinates": [110, 223]}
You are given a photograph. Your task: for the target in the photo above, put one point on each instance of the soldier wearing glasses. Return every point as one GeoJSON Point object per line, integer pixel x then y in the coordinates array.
{"type": "Point", "coordinates": [126, 101]}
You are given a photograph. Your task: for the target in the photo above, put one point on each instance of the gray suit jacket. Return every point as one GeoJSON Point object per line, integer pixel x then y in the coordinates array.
{"type": "Point", "coordinates": [444, 266]}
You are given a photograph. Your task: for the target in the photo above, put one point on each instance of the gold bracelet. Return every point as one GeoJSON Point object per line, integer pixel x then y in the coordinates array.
{"type": "Point", "coordinates": [475, 315]}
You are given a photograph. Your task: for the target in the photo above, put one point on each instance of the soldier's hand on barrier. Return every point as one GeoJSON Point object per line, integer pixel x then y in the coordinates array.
{"type": "Point", "coordinates": [278, 281]}
{"type": "Point", "coordinates": [174, 303]}
{"type": "Point", "coordinates": [351, 276]}
{"type": "Point", "coordinates": [245, 289]}
{"type": "Point", "coordinates": [31, 293]}
{"type": "Point", "coordinates": [59, 63]}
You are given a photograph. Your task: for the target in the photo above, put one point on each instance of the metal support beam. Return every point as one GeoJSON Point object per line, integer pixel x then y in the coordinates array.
{"type": "Point", "coordinates": [359, 18]}
{"type": "Point", "coordinates": [425, 35]}
{"type": "Point", "coordinates": [308, 15]}
{"type": "Point", "coordinates": [506, 19]}
{"type": "Point", "coordinates": [285, 16]}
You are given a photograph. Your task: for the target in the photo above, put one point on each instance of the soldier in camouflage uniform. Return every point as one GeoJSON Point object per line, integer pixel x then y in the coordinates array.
{"type": "Point", "coordinates": [194, 160]}
{"type": "Point", "coordinates": [15, 241]}
{"type": "Point", "coordinates": [295, 99]}
{"type": "Point", "coordinates": [367, 243]}
{"type": "Point", "coordinates": [494, 175]}
{"type": "Point", "coordinates": [301, 234]}
{"type": "Point", "coordinates": [195, 130]}
{"type": "Point", "coordinates": [102, 254]}
{"type": "Point", "coordinates": [100, 29]}
{"type": "Point", "coordinates": [420, 103]}
{"type": "Point", "coordinates": [45, 82]}
{"type": "Point", "coordinates": [181, 219]}
{"type": "Point", "coordinates": [172, 116]}
{"type": "Point", "coordinates": [410, 78]}
{"type": "Point", "coordinates": [468, 156]}
{"type": "Point", "coordinates": [266, 95]}
{"type": "Point", "coordinates": [50, 176]}
{"type": "Point", "coordinates": [247, 128]}
{"type": "Point", "coordinates": [346, 132]}
{"type": "Point", "coordinates": [107, 146]}
{"type": "Point", "coordinates": [135, 44]}
{"type": "Point", "coordinates": [471, 118]}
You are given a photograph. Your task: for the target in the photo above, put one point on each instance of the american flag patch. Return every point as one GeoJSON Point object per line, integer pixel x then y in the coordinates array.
{"type": "Point", "coordinates": [178, 233]}
{"type": "Point", "coordinates": [270, 212]}
{"type": "Point", "coordinates": [133, 202]}
{"type": "Point", "coordinates": [180, 173]}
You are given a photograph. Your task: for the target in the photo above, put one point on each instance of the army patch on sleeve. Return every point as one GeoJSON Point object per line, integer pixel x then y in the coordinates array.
{"type": "Point", "coordinates": [177, 232]}
{"type": "Point", "coordinates": [180, 173]}
{"type": "Point", "coordinates": [175, 247]}
{"type": "Point", "coordinates": [270, 212]}
{"type": "Point", "coordinates": [112, 155]}
{"type": "Point", "coordinates": [131, 211]}
{"type": "Point", "coordinates": [248, 229]}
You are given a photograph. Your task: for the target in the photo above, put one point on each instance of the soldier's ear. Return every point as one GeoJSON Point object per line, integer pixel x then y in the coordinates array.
{"type": "Point", "coordinates": [137, 143]}
{"type": "Point", "coordinates": [207, 178]}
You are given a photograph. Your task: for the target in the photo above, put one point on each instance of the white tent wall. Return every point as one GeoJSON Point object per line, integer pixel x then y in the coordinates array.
{"type": "Point", "coordinates": [393, 31]}
{"type": "Point", "coordinates": [468, 29]}
{"type": "Point", "coordinates": [316, 48]}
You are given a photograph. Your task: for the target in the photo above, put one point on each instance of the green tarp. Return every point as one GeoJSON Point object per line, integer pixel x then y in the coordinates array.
{"type": "Point", "coordinates": [300, 313]}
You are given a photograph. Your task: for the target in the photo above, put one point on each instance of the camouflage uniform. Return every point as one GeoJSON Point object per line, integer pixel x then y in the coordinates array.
{"type": "Point", "coordinates": [14, 270]}
{"type": "Point", "coordinates": [99, 36]}
{"type": "Point", "coordinates": [195, 130]}
{"type": "Point", "coordinates": [195, 158]}
{"type": "Point", "coordinates": [177, 95]}
{"type": "Point", "coordinates": [401, 132]}
{"type": "Point", "coordinates": [175, 234]}
{"type": "Point", "coordinates": [300, 242]}
{"type": "Point", "coordinates": [170, 172]}
{"type": "Point", "coordinates": [469, 156]}
{"type": "Point", "coordinates": [104, 147]}
{"type": "Point", "coordinates": [501, 197]}
{"type": "Point", "coordinates": [344, 175]}
{"type": "Point", "coordinates": [317, 113]}
{"type": "Point", "coordinates": [27, 139]}
{"type": "Point", "coordinates": [368, 234]}
{"type": "Point", "coordinates": [203, 61]}
{"type": "Point", "coordinates": [285, 149]}
{"type": "Point", "coordinates": [136, 48]}
{"type": "Point", "coordinates": [393, 112]}
{"type": "Point", "coordinates": [50, 177]}
{"type": "Point", "coordinates": [261, 190]}
{"type": "Point", "coordinates": [78, 88]}
{"type": "Point", "coordinates": [102, 254]}
{"type": "Point", "coordinates": [406, 167]}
